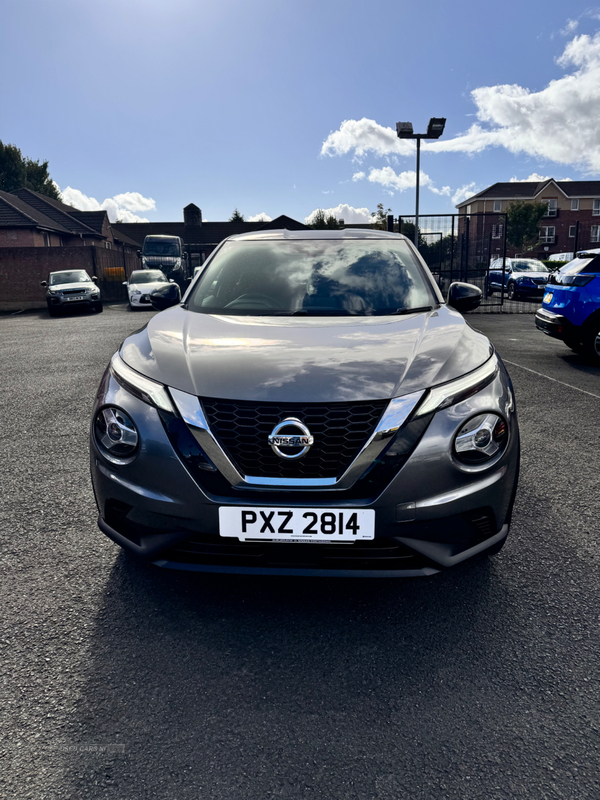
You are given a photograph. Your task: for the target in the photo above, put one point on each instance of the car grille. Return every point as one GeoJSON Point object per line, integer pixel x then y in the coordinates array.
{"type": "Point", "coordinates": [378, 554]}
{"type": "Point", "coordinates": [339, 430]}
{"type": "Point", "coordinates": [73, 291]}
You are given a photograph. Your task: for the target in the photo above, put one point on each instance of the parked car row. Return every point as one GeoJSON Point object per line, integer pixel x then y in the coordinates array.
{"type": "Point", "coordinates": [519, 277]}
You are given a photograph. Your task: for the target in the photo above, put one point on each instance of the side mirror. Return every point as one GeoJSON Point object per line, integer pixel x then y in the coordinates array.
{"type": "Point", "coordinates": [165, 297]}
{"type": "Point", "coordinates": [95, 279]}
{"type": "Point", "coordinates": [464, 296]}
{"type": "Point", "coordinates": [138, 253]}
{"type": "Point", "coordinates": [44, 284]}
{"type": "Point", "coordinates": [508, 269]}
{"type": "Point", "coordinates": [171, 280]}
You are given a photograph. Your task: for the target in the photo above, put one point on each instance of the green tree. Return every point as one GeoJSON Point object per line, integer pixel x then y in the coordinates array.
{"type": "Point", "coordinates": [236, 217]}
{"type": "Point", "coordinates": [380, 216]}
{"type": "Point", "coordinates": [522, 222]}
{"type": "Point", "coordinates": [17, 172]}
{"type": "Point", "coordinates": [322, 221]}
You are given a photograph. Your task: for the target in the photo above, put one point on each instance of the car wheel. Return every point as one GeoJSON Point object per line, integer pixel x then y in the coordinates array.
{"type": "Point", "coordinates": [52, 310]}
{"type": "Point", "coordinates": [132, 308]}
{"type": "Point", "coordinates": [512, 292]}
{"type": "Point", "coordinates": [591, 343]}
{"type": "Point", "coordinates": [98, 308]}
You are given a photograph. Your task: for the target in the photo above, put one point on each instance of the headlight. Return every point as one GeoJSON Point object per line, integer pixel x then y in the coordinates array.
{"type": "Point", "coordinates": [480, 439]}
{"type": "Point", "coordinates": [141, 387]}
{"type": "Point", "coordinates": [454, 391]}
{"type": "Point", "coordinates": [116, 433]}
{"type": "Point", "coordinates": [135, 291]}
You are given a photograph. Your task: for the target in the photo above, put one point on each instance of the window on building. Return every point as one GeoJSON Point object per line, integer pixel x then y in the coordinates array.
{"type": "Point", "coordinates": [552, 208]}
{"type": "Point", "coordinates": [108, 245]}
{"type": "Point", "coordinates": [547, 234]}
{"type": "Point", "coordinates": [574, 205]}
{"type": "Point", "coordinates": [596, 208]}
{"type": "Point", "coordinates": [498, 231]}
{"type": "Point", "coordinates": [469, 209]}
{"type": "Point", "coordinates": [572, 229]}
{"type": "Point", "coordinates": [497, 206]}
{"type": "Point", "coordinates": [595, 233]}
{"type": "Point", "coordinates": [46, 240]}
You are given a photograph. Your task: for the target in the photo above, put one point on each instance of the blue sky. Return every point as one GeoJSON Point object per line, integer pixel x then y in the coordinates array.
{"type": "Point", "coordinates": [143, 106]}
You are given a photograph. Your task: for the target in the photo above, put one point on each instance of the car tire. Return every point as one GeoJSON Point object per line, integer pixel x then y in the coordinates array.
{"type": "Point", "coordinates": [591, 343]}
{"type": "Point", "coordinates": [52, 310]}
{"type": "Point", "coordinates": [512, 292]}
{"type": "Point", "coordinates": [98, 308]}
{"type": "Point", "coordinates": [131, 308]}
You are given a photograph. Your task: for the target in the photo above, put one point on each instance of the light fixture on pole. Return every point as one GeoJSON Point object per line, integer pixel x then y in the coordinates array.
{"type": "Point", "coordinates": [404, 130]}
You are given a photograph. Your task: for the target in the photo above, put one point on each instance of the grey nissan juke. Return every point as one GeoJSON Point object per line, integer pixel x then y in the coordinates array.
{"type": "Point", "coordinates": [312, 406]}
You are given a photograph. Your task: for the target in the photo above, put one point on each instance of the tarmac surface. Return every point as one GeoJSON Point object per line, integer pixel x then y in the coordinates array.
{"type": "Point", "coordinates": [124, 681]}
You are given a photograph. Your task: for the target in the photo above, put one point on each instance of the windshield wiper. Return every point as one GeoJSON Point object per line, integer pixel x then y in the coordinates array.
{"type": "Point", "coordinates": [326, 312]}
{"type": "Point", "coordinates": [399, 311]}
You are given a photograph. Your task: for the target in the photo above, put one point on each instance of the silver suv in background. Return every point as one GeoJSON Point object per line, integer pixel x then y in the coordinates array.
{"type": "Point", "coordinates": [71, 287]}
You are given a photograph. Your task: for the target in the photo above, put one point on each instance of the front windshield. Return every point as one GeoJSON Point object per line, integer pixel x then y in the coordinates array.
{"type": "Point", "coordinates": [148, 276]}
{"type": "Point", "coordinates": [529, 266]}
{"type": "Point", "coordinates": [312, 277]}
{"type": "Point", "coordinates": [73, 276]}
{"type": "Point", "coordinates": [158, 248]}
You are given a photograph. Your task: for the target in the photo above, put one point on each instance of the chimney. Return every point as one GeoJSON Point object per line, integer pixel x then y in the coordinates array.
{"type": "Point", "coordinates": [192, 216]}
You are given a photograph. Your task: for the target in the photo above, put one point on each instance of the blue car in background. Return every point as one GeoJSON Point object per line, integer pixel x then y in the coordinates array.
{"type": "Point", "coordinates": [571, 305]}
{"type": "Point", "coordinates": [522, 276]}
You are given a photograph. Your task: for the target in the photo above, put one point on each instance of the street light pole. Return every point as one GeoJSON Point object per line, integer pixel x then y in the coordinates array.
{"type": "Point", "coordinates": [417, 192]}
{"type": "Point", "coordinates": [404, 130]}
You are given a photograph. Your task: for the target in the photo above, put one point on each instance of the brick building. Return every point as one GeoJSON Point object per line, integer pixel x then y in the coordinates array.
{"type": "Point", "coordinates": [572, 221]}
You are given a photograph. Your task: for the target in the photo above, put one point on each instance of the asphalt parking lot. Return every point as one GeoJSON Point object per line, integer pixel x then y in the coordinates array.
{"type": "Point", "coordinates": [123, 681]}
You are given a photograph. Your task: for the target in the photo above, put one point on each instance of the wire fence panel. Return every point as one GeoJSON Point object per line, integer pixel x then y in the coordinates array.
{"type": "Point", "coordinates": [473, 248]}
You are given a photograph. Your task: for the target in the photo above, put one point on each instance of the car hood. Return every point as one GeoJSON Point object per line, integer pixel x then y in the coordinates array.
{"type": "Point", "coordinates": [80, 285]}
{"type": "Point", "coordinates": [545, 275]}
{"type": "Point", "coordinates": [146, 288]}
{"type": "Point", "coordinates": [304, 359]}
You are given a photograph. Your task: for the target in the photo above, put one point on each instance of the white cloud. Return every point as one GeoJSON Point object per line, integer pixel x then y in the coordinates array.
{"type": "Point", "coordinates": [350, 215]}
{"type": "Point", "coordinates": [560, 123]}
{"type": "Point", "coordinates": [358, 176]}
{"type": "Point", "coordinates": [466, 191]}
{"type": "Point", "coordinates": [365, 136]}
{"type": "Point", "coordinates": [134, 201]}
{"type": "Point", "coordinates": [404, 180]}
{"type": "Point", "coordinates": [262, 217]}
{"type": "Point", "coordinates": [118, 207]}
{"type": "Point", "coordinates": [537, 178]}
{"type": "Point", "coordinates": [571, 26]}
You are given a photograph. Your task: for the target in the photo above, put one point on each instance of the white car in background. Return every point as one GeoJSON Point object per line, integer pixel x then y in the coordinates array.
{"type": "Point", "coordinates": [141, 284]}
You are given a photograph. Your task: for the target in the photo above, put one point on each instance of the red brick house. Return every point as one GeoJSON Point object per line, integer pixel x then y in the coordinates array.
{"type": "Point", "coordinates": [572, 221]}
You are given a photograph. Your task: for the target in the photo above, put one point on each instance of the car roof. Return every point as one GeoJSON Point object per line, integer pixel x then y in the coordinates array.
{"type": "Point", "coordinates": [345, 233]}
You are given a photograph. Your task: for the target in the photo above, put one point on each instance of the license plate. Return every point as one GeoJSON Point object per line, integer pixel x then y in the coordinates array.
{"type": "Point", "coordinates": [297, 524]}
{"type": "Point", "coordinates": [547, 298]}
{"type": "Point", "coordinates": [77, 297]}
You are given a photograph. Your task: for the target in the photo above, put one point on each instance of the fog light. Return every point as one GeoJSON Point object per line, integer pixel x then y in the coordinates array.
{"type": "Point", "coordinates": [116, 433]}
{"type": "Point", "coordinates": [481, 438]}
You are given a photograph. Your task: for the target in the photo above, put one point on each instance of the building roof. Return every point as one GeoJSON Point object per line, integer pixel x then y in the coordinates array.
{"type": "Point", "coordinates": [208, 234]}
{"type": "Point", "coordinates": [517, 190]}
{"type": "Point", "coordinates": [60, 213]}
{"type": "Point", "coordinates": [16, 213]}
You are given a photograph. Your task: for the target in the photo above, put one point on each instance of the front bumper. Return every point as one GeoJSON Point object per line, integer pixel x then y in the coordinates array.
{"type": "Point", "coordinates": [431, 515]}
{"type": "Point", "coordinates": [59, 301]}
{"type": "Point", "coordinates": [140, 301]}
